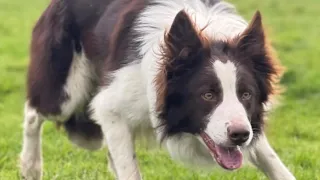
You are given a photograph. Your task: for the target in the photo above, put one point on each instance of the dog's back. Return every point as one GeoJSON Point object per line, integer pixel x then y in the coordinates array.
{"type": "Point", "coordinates": [70, 27]}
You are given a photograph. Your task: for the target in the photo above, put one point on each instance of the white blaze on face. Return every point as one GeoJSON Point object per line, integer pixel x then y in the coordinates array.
{"type": "Point", "coordinates": [230, 109]}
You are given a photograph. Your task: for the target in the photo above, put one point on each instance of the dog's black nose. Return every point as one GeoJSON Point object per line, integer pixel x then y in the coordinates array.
{"type": "Point", "coordinates": [238, 135]}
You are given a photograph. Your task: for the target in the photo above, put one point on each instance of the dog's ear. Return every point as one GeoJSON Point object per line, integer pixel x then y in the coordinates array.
{"type": "Point", "coordinates": [182, 36]}
{"type": "Point", "coordinates": [252, 40]}
{"type": "Point", "coordinates": [183, 50]}
{"type": "Point", "coordinates": [182, 46]}
{"type": "Point", "coordinates": [252, 45]}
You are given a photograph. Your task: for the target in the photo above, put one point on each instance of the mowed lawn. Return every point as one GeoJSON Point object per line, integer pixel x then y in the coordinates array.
{"type": "Point", "coordinates": [293, 129]}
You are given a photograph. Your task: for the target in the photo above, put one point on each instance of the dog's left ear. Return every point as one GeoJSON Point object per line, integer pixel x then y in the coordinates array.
{"type": "Point", "coordinates": [252, 40]}
{"type": "Point", "coordinates": [252, 46]}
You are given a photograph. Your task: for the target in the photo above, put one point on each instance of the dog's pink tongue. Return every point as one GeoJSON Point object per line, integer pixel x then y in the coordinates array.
{"type": "Point", "coordinates": [229, 158]}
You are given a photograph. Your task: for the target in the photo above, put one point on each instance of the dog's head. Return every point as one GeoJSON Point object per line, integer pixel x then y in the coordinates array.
{"type": "Point", "coordinates": [215, 89]}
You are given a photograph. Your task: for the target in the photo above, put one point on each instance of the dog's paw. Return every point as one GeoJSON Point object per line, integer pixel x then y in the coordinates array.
{"type": "Point", "coordinates": [30, 170]}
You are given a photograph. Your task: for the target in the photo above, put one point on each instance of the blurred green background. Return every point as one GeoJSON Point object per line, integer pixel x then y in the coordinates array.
{"type": "Point", "coordinates": [293, 129]}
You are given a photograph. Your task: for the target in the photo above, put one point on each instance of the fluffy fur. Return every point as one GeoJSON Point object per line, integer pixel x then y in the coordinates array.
{"type": "Point", "coordinates": [176, 70]}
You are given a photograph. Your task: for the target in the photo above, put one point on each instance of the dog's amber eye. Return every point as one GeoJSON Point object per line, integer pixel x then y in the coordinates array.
{"type": "Point", "coordinates": [208, 96]}
{"type": "Point", "coordinates": [246, 96]}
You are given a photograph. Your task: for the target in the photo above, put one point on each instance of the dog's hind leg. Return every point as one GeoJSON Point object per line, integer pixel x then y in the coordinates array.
{"type": "Point", "coordinates": [54, 41]}
{"type": "Point", "coordinates": [31, 158]}
{"type": "Point", "coordinates": [265, 158]}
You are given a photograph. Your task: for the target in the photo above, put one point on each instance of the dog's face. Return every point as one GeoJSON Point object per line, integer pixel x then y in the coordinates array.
{"type": "Point", "coordinates": [215, 89]}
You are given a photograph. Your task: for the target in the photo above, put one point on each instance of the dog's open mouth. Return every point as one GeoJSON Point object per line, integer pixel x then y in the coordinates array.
{"type": "Point", "coordinates": [229, 158]}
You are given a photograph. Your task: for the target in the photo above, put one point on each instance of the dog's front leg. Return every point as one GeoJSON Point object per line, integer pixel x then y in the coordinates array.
{"type": "Point", "coordinates": [115, 108]}
{"type": "Point", "coordinates": [117, 135]}
{"type": "Point", "coordinates": [121, 148]}
{"type": "Point", "coordinates": [31, 156]}
{"type": "Point", "coordinates": [265, 158]}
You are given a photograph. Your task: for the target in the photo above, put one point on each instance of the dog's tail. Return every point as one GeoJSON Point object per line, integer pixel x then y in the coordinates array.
{"type": "Point", "coordinates": [84, 132]}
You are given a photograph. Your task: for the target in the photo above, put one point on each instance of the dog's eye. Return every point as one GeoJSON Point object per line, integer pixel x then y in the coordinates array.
{"type": "Point", "coordinates": [208, 96]}
{"type": "Point", "coordinates": [246, 96]}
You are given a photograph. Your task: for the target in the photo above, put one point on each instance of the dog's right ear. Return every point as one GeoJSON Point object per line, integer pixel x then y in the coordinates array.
{"type": "Point", "coordinates": [182, 37]}
{"type": "Point", "coordinates": [183, 44]}
{"type": "Point", "coordinates": [184, 49]}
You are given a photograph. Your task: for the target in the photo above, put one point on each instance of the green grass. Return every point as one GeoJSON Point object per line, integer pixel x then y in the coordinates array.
{"type": "Point", "coordinates": [293, 129]}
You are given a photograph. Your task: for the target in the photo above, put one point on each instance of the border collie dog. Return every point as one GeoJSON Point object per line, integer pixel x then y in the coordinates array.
{"type": "Point", "coordinates": [192, 74]}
